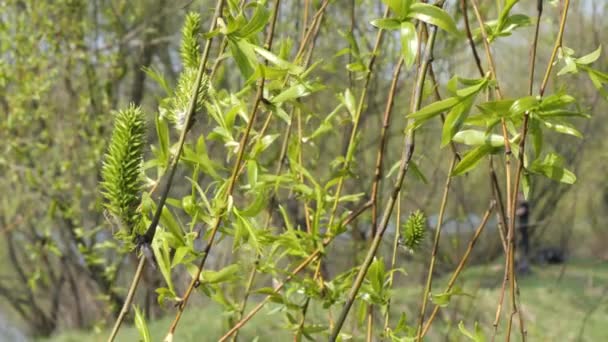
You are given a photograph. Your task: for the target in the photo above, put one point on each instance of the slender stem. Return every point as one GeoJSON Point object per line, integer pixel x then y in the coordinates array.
{"type": "Point", "coordinates": [311, 258]}
{"type": "Point", "coordinates": [393, 260]}
{"type": "Point", "coordinates": [492, 69]}
{"type": "Point", "coordinates": [467, 27]}
{"type": "Point", "coordinates": [408, 151]}
{"type": "Point", "coordinates": [130, 295]}
{"type": "Point", "coordinates": [223, 45]}
{"type": "Point", "coordinates": [558, 45]}
{"type": "Point", "coordinates": [314, 28]}
{"type": "Point", "coordinates": [232, 182]}
{"type": "Point", "coordinates": [429, 279]}
{"type": "Point", "coordinates": [520, 165]}
{"type": "Point", "coordinates": [378, 170]}
{"type": "Point", "coordinates": [350, 146]}
{"type": "Point", "coordinates": [461, 264]}
{"type": "Point", "coordinates": [151, 231]}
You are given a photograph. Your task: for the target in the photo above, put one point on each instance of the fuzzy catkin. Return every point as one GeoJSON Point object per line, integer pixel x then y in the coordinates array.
{"type": "Point", "coordinates": [122, 166]}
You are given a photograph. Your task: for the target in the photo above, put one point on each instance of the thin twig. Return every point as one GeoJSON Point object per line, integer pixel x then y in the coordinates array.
{"type": "Point", "coordinates": [461, 264]}
{"type": "Point", "coordinates": [130, 295]}
{"type": "Point", "coordinates": [231, 184]}
{"type": "Point", "coordinates": [151, 231]}
{"type": "Point", "coordinates": [408, 151]}
{"type": "Point", "coordinates": [311, 258]}
{"type": "Point", "coordinates": [429, 279]}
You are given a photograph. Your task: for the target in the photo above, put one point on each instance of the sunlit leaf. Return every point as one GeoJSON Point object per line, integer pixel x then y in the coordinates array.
{"type": "Point", "coordinates": [591, 57]}
{"type": "Point", "coordinates": [433, 15]}
{"type": "Point", "coordinates": [409, 43]}
{"type": "Point", "coordinates": [386, 23]}
{"type": "Point", "coordinates": [142, 326]}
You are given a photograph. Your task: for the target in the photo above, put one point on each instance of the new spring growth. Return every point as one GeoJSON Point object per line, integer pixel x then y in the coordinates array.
{"type": "Point", "coordinates": [175, 108]}
{"type": "Point", "coordinates": [122, 167]}
{"type": "Point", "coordinates": [414, 230]}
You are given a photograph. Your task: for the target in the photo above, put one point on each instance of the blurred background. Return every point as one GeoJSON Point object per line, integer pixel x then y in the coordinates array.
{"type": "Point", "coordinates": [66, 65]}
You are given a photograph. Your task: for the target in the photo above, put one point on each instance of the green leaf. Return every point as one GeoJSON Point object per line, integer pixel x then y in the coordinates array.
{"type": "Point", "coordinates": [409, 43]}
{"type": "Point", "coordinates": [441, 299]}
{"type": "Point", "coordinates": [551, 167]}
{"type": "Point", "coordinates": [254, 208]}
{"type": "Point", "coordinates": [200, 158]}
{"type": "Point", "coordinates": [536, 134]}
{"type": "Point", "coordinates": [433, 15]}
{"type": "Point", "coordinates": [274, 59]}
{"type": "Point", "coordinates": [524, 104]}
{"type": "Point", "coordinates": [477, 337]}
{"type": "Point", "coordinates": [498, 108]}
{"type": "Point", "coordinates": [226, 274]}
{"type": "Point", "coordinates": [415, 171]}
{"type": "Point", "coordinates": [243, 55]}
{"type": "Point", "coordinates": [160, 247]}
{"type": "Point", "coordinates": [386, 23]}
{"type": "Point", "coordinates": [562, 127]}
{"type": "Point", "coordinates": [455, 119]}
{"type": "Point", "coordinates": [256, 24]}
{"type": "Point", "coordinates": [504, 14]}
{"type": "Point", "coordinates": [590, 58]}
{"type": "Point", "coordinates": [349, 101]}
{"type": "Point", "coordinates": [167, 220]}
{"type": "Point", "coordinates": [356, 67]}
{"type": "Point", "coordinates": [507, 27]}
{"type": "Point", "coordinates": [399, 7]}
{"type": "Point", "coordinates": [555, 101]}
{"type": "Point", "coordinates": [472, 158]}
{"type": "Point", "coordinates": [140, 323]}
{"type": "Point", "coordinates": [598, 79]}
{"type": "Point", "coordinates": [475, 87]}
{"type": "Point", "coordinates": [434, 109]}
{"type": "Point", "coordinates": [293, 92]}
{"type": "Point", "coordinates": [180, 254]}
{"type": "Point", "coordinates": [473, 137]}
{"type": "Point", "coordinates": [375, 275]}
{"type": "Point", "coordinates": [569, 68]}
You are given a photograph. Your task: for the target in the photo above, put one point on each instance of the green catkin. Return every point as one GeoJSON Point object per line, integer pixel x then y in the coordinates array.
{"type": "Point", "coordinates": [122, 171]}
{"type": "Point", "coordinates": [175, 108]}
{"type": "Point", "coordinates": [414, 230]}
{"type": "Point", "coordinates": [190, 48]}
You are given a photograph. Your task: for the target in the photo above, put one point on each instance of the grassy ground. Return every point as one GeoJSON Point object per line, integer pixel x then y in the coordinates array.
{"type": "Point", "coordinates": [559, 304]}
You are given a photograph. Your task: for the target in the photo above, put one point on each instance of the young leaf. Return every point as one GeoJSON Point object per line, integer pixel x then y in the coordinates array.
{"type": "Point", "coordinates": [293, 92]}
{"type": "Point", "coordinates": [551, 167]}
{"type": "Point", "coordinates": [140, 323]}
{"type": "Point", "coordinates": [228, 273]}
{"type": "Point", "coordinates": [256, 24]}
{"type": "Point", "coordinates": [434, 109]}
{"type": "Point", "coordinates": [473, 137]}
{"type": "Point", "coordinates": [455, 119]}
{"type": "Point", "coordinates": [590, 58]}
{"type": "Point", "coordinates": [399, 7]}
{"type": "Point", "coordinates": [524, 104]}
{"type": "Point", "coordinates": [476, 337]}
{"type": "Point", "coordinates": [274, 59]}
{"type": "Point", "coordinates": [243, 55]}
{"type": "Point", "coordinates": [409, 43]}
{"type": "Point", "coordinates": [386, 23]}
{"type": "Point", "coordinates": [433, 15]}
{"type": "Point", "coordinates": [472, 158]}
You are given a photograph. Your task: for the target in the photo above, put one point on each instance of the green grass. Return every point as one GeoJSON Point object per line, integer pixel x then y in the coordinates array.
{"type": "Point", "coordinates": [556, 302]}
